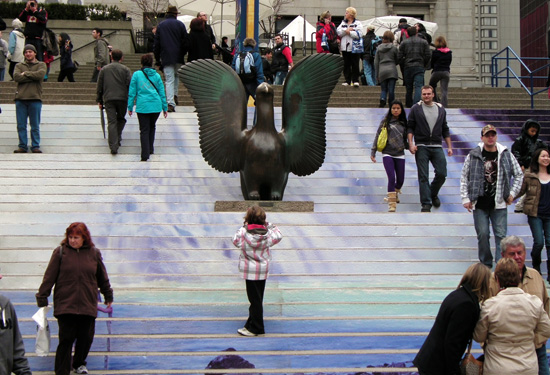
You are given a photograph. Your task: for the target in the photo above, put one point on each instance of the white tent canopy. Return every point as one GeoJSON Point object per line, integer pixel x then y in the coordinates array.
{"type": "Point", "coordinates": [296, 29]}
{"type": "Point", "coordinates": [391, 23]}
{"type": "Point", "coordinates": [228, 27]}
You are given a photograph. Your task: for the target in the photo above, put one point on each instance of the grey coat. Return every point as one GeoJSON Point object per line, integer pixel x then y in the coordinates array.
{"type": "Point", "coordinates": [385, 62]}
{"type": "Point", "coordinates": [12, 350]}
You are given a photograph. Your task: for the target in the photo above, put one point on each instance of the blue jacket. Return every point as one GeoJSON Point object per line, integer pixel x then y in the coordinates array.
{"type": "Point", "coordinates": [147, 99]}
{"type": "Point", "coordinates": [170, 41]}
{"type": "Point", "coordinates": [257, 63]}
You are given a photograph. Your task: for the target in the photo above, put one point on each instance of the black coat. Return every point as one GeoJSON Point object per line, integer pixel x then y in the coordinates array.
{"type": "Point", "coordinates": [449, 336]}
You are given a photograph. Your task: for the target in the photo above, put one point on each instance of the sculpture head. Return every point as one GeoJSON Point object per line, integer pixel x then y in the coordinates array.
{"type": "Point", "coordinates": [264, 90]}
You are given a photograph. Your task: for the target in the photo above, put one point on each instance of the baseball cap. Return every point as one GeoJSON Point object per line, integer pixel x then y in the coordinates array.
{"type": "Point", "coordinates": [488, 128]}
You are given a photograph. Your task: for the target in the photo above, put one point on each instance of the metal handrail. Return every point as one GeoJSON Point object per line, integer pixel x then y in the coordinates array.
{"type": "Point", "coordinates": [511, 55]}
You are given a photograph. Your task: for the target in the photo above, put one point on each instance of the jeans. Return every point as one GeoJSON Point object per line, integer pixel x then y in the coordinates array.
{"type": "Point", "coordinates": [2, 73]}
{"type": "Point", "coordinates": [116, 120]}
{"type": "Point", "coordinates": [499, 220]}
{"type": "Point", "coordinates": [368, 71]}
{"type": "Point", "coordinates": [280, 77]}
{"type": "Point", "coordinates": [147, 128]}
{"type": "Point", "coordinates": [423, 156]}
{"type": "Point", "coordinates": [172, 83]}
{"type": "Point", "coordinates": [387, 87]}
{"type": "Point", "coordinates": [543, 360]}
{"type": "Point", "coordinates": [443, 77]}
{"type": "Point", "coordinates": [414, 80]}
{"type": "Point", "coordinates": [540, 229]}
{"type": "Point", "coordinates": [28, 109]}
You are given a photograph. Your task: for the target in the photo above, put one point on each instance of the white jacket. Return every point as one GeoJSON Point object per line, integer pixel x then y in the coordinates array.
{"type": "Point", "coordinates": [345, 41]}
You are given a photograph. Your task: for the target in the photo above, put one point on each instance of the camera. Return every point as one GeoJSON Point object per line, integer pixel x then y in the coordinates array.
{"type": "Point", "coordinates": [32, 4]}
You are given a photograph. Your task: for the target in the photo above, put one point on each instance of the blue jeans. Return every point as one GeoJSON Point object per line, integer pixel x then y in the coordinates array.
{"type": "Point", "coordinates": [28, 109]}
{"type": "Point", "coordinates": [387, 87]}
{"type": "Point", "coordinates": [279, 77]}
{"type": "Point", "coordinates": [172, 82]}
{"type": "Point", "coordinates": [499, 220]}
{"type": "Point", "coordinates": [540, 229]}
{"type": "Point", "coordinates": [423, 156]}
{"type": "Point", "coordinates": [368, 71]}
{"type": "Point", "coordinates": [543, 360]}
{"type": "Point", "coordinates": [2, 73]}
{"type": "Point", "coordinates": [414, 80]}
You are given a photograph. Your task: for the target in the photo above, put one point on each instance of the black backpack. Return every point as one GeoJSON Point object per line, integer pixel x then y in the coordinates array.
{"type": "Point", "coordinates": [49, 41]}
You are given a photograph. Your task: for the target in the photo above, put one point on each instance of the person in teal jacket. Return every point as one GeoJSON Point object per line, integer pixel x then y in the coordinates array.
{"type": "Point", "coordinates": [148, 96]}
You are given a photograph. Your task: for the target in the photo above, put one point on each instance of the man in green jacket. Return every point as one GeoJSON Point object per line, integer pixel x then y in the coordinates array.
{"type": "Point", "coordinates": [29, 75]}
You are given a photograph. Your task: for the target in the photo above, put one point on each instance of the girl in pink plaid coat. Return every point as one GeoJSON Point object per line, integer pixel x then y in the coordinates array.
{"type": "Point", "coordinates": [254, 239]}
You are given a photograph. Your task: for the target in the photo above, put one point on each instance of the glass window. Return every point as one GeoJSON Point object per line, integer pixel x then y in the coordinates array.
{"type": "Point", "coordinates": [488, 21]}
{"type": "Point", "coordinates": [489, 33]}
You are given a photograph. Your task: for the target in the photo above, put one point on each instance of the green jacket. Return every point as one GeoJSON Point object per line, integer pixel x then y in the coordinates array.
{"type": "Point", "coordinates": [29, 85]}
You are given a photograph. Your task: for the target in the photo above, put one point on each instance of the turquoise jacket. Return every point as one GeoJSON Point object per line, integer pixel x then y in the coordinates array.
{"type": "Point", "coordinates": [143, 95]}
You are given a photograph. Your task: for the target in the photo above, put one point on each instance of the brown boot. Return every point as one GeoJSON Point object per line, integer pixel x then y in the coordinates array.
{"type": "Point", "coordinates": [397, 192]}
{"type": "Point", "coordinates": [392, 201]}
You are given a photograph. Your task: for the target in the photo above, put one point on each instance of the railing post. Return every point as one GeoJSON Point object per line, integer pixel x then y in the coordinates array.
{"type": "Point", "coordinates": [508, 67]}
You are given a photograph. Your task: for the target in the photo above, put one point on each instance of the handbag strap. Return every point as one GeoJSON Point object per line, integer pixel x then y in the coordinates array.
{"type": "Point", "coordinates": [469, 347]}
{"type": "Point", "coordinates": [146, 76]}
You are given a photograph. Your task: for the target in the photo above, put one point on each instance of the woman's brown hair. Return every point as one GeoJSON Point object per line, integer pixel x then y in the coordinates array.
{"type": "Point", "coordinates": [507, 273]}
{"type": "Point", "coordinates": [477, 276]}
{"type": "Point", "coordinates": [255, 215]}
{"type": "Point", "coordinates": [79, 229]}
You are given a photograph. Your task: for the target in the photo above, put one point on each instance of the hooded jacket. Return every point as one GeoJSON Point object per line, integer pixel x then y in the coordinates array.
{"type": "Point", "coordinates": [29, 86]}
{"type": "Point", "coordinates": [385, 62]}
{"type": "Point", "coordinates": [101, 52]}
{"type": "Point", "coordinates": [418, 126]}
{"type": "Point", "coordinates": [347, 39]}
{"type": "Point", "coordinates": [147, 94]}
{"type": "Point", "coordinates": [525, 145]}
{"type": "Point", "coordinates": [532, 188]}
{"type": "Point", "coordinates": [441, 60]}
{"type": "Point", "coordinates": [16, 45]}
{"type": "Point", "coordinates": [254, 241]}
{"type": "Point", "coordinates": [77, 275]}
{"type": "Point", "coordinates": [12, 350]}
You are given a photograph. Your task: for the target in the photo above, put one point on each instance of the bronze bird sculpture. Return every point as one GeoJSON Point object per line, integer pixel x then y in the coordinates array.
{"type": "Point", "coordinates": [263, 156]}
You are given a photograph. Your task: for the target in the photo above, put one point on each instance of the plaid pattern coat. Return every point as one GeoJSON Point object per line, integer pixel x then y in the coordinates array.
{"type": "Point", "coordinates": [254, 242]}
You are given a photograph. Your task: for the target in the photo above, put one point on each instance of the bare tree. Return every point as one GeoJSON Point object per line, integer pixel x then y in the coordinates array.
{"type": "Point", "coordinates": [149, 10]}
{"type": "Point", "coordinates": [268, 24]}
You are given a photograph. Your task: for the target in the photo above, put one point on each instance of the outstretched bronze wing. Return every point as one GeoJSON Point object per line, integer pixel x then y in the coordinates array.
{"type": "Point", "coordinates": [306, 94]}
{"type": "Point", "coordinates": [220, 103]}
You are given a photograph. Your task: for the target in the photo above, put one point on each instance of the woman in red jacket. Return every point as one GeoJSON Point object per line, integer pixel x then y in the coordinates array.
{"type": "Point", "coordinates": [326, 37]}
{"type": "Point", "coordinates": [77, 270]}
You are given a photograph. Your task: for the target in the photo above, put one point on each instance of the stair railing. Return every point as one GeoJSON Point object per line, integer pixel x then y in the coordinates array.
{"type": "Point", "coordinates": [509, 56]}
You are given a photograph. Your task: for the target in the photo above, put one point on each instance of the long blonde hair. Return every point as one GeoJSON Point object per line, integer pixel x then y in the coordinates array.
{"type": "Point", "coordinates": [477, 276]}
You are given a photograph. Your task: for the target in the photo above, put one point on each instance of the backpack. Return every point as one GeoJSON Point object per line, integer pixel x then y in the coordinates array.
{"type": "Point", "coordinates": [245, 68]}
{"type": "Point", "coordinates": [374, 45]}
{"type": "Point", "coordinates": [49, 41]}
{"type": "Point", "coordinates": [403, 35]}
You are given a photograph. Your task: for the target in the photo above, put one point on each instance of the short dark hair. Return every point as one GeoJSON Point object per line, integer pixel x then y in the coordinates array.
{"type": "Point", "coordinates": [147, 60]}
{"type": "Point", "coordinates": [116, 54]}
{"type": "Point", "coordinates": [268, 50]}
{"type": "Point", "coordinates": [197, 24]}
{"type": "Point", "coordinates": [255, 215]}
{"type": "Point", "coordinates": [98, 30]}
{"type": "Point", "coordinates": [411, 30]}
{"type": "Point", "coordinates": [507, 273]}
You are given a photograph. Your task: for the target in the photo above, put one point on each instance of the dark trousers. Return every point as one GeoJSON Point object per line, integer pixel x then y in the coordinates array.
{"type": "Point", "coordinates": [147, 127]}
{"type": "Point", "coordinates": [255, 292]}
{"type": "Point", "coordinates": [66, 73]}
{"type": "Point", "coordinates": [79, 328]}
{"type": "Point", "coordinates": [116, 120]}
{"type": "Point", "coordinates": [95, 75]}
{"type": "Point", "coordinates": [12, 68]}
{"type": "Point", "coordinates": [351, 66]}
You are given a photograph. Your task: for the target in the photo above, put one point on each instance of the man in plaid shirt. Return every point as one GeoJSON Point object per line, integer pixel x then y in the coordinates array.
{"type": "Point", "coordinates": [491, 179]}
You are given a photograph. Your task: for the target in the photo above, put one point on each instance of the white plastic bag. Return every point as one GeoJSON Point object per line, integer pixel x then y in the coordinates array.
{"type": "Point", "coordinates": [42, 345]}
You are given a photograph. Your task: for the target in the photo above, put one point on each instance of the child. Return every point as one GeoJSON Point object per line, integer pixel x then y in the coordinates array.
{"type": "Point", "coordinates": [254, 239]}
{"type": "Point", "coordinates": [393, 155]}
{"type": "Point", "coordinates": [523, 148]}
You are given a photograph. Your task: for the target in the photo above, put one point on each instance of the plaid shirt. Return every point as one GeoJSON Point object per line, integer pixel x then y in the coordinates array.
{"type": "Point", "coordinates": [254, 242]}
{"type": "Point", "coordinates": [472, 180]}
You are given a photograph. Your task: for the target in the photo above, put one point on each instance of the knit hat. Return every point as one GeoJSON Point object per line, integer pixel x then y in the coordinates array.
{"type": "Point", "coordinates": [16, 24]}
{"type": "Point", "coordinates": [29, 47]}
{"type": "Point", "coordinates": [403, 20]}
{"type": "Point", "coordinates": [488, 128]}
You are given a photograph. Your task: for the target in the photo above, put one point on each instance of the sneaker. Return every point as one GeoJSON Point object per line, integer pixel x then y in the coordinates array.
{"type": "Point", "coordinates": [36, 151]}
{"type": "Point", "coordinates": [356, 84]}
{"type": "Point", "coordinates": [20, 151]}
{"type": "Point", "coordinates": [436, 202]}
{"type": "Point", "coordinates": [171, 108]}
{"type": "Point", "coordinates": [345, 84]}
{"type": "Point", "coordinates": [518, 210]}
{"type": "Point", "coordinates": [81, 370]}
{"type": "Point", "coordinates": [114, 152]}
{"type": "Point", "coordinates": [245, 332]}
{"type": "Point", "coordinates": [426, 208]}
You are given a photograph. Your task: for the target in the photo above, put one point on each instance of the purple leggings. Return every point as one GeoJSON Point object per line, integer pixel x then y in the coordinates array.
{"type": "Point", "coordinates": [395, 169]}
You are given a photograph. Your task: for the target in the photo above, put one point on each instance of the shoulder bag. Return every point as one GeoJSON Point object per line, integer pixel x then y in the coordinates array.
{"type": "Point", "coordinates": [382, 138]}
{"type": "Point", "coordinates": [469, 364]}
{"type": "Point", "coordinates": [357, 44]}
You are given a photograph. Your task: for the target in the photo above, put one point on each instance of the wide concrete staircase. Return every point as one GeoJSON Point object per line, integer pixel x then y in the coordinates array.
{"type": "Point", "coordinates": [82, 92]}
{"type": "Point", "coordinates": [353, 289]}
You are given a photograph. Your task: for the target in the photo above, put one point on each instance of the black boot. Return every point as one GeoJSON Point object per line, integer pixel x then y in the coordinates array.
{"type": "Point", "coordinates": [536, 262]}
{"type": "Point", "coordinates": [548, 269]}
{"type": "Point", "coordinates": [382, 103]}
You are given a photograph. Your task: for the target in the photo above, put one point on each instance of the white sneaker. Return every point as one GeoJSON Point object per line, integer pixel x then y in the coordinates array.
{"type": "Point", "coordinates": [356, 84]}
{"type": "Point", "coordinates": [245, 332]}
{"type": "Point", "coordinates": [345, 84]}
{"type": "Point", "coordinates": [81, 370]}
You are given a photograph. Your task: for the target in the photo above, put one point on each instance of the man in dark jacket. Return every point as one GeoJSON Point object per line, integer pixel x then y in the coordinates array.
{"type": "Point", "coordinates": [414, 54]}
{"type": "Point", "coordinates": [170, 49]}
{"type": "Point", "coordinates": [427, 122]}
{"type": "Point", "coordinates": [35, 23]}
{"type": "Point", "coordinates": [112, 94]}
{"type": "Point", "coordinates": [12, 350]}
{"type": "Point", "coordinates": [268, 55]}
{"type": "Point", "coordinates": [282, 60]}
{"type": "Point", "coordinates": [101, 52]}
